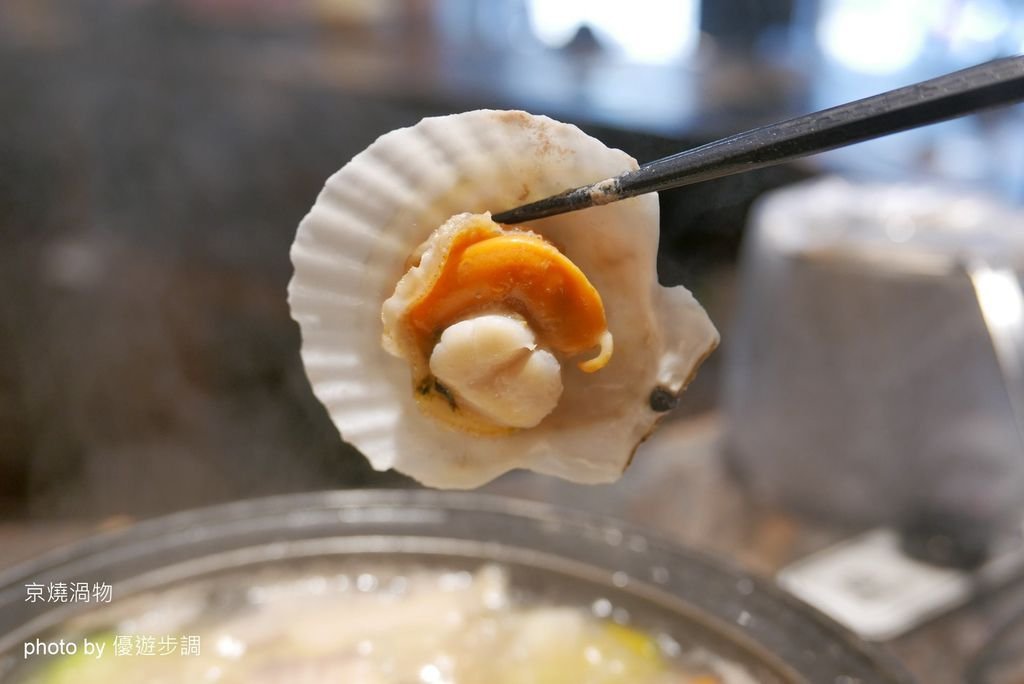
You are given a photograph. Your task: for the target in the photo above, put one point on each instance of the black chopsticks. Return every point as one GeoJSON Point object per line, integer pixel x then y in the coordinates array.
{"type": "Point", "coordinates": [994, 83]}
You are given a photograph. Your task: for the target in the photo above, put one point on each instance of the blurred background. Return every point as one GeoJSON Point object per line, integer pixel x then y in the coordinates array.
{"type": "Point", "coordinates": [156, 157]}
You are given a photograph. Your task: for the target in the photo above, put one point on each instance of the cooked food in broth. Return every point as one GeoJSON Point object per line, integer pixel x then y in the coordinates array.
{"type": "Point", "coordinates": [455, 349]}
{"type": "Point", "coordinates": [374, 628]}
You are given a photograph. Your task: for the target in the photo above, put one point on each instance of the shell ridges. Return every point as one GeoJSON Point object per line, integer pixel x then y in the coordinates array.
{"type": "Point", "coordinates": [354, 246]}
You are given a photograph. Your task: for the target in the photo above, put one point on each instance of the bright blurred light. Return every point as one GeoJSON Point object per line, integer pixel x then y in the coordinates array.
{"type": "Point", "coordinates": [999, 296]}
{"type": "Point", "coordinates": [874, 36]}
{"type": "Point", "coordinates": [647, 31]}
{"type": "Point", "coordinates": [884, 37]}
{"type": "Point", "coordinates": [984, 21]}
{"type": "Point", "coordinates": [978, 27]}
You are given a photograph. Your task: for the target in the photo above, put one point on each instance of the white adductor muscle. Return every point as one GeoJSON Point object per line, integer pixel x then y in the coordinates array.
{"type": "Point", "coordinates": [492, 363]}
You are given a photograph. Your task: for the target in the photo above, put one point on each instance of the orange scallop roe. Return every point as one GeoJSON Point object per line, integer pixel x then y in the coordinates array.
{"type": "Point", "coordinates": [523, 273]}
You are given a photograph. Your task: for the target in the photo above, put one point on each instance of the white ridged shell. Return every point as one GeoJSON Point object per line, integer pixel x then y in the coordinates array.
{"type": "Point", "coordinates": [351, 250]}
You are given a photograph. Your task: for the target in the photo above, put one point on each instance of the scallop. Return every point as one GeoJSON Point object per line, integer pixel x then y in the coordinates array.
{"type": "Point", "coordinates": [455, 349]}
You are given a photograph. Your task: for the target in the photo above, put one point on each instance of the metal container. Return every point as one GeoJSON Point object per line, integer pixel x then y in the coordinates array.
{"type": "Point", "coordinates": [551, 555]}
{"type": "Point", "coordinates": [861, 382]}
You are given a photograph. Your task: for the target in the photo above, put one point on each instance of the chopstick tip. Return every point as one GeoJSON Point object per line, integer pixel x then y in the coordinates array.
{"type": "Point", "coordinates": [602, 192]}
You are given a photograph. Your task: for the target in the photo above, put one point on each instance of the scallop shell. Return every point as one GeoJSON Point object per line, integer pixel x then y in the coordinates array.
{"type": "Point", "coordinates": [354, 245]}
